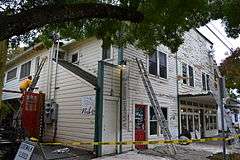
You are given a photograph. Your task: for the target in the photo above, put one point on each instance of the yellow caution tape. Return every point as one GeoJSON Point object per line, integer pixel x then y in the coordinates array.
{"type": "Point", "coordinates": [78, 143]}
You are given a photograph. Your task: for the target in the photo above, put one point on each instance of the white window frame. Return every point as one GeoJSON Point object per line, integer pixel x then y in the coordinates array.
{"type": "Point", "coordinates": [207, 83]}
{"type": "Point", "coordinates": [111, 54]}
{"type": "Point", "coordinates": [15, 77]}
{"type": "Point", "coordinates": [158, 125]}
{"type": "Point", "coordinates": [158, 63]}
{"type": "Point", "coordinates": [188, 75]}
{"type": "Point", "coordinates": [78, 58]}
{"type": "Point", "coordinates": [29, 70]}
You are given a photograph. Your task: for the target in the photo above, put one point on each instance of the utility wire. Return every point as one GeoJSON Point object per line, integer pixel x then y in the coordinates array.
{"type": "Point", "coordinates": [221, 34]}
{"type": "Point", "coordinates": [219, 38]}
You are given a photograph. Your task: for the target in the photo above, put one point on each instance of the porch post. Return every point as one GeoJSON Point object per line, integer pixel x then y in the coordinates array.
{"type": "Point", "coordinates": [99, 109]}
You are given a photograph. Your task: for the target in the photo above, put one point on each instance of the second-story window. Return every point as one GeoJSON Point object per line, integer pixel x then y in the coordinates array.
{"type": "Point", "coordinates": [203, 81]}
{"type": "Point", "coordinates": [106, 53]}
{"type": "Point", "coordinates": [25, 69]}
{"type": "Point", "coordinates": [74, 58]}
{"type": "Point", "coordinates": [208, 87]}
{"type": "Point", "coordinates": [191, 76]}
{"type": "Point", "coordinates": [158, 64]}
{"type": "Point", "coordinates": [153, 64]}
{"type": "Point", "coordinates": [12, 74]}
{"type": "Point", "coordinates": [163, 65]}
{"type": "Point", "coordinates": [184, 73]}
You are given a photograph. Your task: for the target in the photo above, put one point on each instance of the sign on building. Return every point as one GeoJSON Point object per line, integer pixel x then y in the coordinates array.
{"type": "Point", "coordinates": [24, 152]}
{"type": "Point", "coordinates": [87, 104]}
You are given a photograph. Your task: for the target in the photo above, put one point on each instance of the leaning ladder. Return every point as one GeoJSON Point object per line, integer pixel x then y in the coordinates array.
{"type": "Point", "coordinates": [36, 77]}
{"type": "Point", "coordinates": [154, 102]}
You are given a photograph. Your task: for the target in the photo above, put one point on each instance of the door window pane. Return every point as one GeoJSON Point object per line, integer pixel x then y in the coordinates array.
{"type": "Point", "coordinates": [139, 118]}
{"type": "Point", "coordinates": [153, 64]}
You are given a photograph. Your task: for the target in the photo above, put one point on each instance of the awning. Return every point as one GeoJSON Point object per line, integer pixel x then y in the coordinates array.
{"type": "Point", "coordinates": [232, 104]}
{"type": "Point", "coordinates": [203, 98]}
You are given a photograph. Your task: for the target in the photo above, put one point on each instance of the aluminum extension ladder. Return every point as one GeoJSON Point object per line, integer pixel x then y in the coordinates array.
{"type": "Point", "coordinates": [157, 109]}
{"type": "Point", "coordinates": [36, 77]}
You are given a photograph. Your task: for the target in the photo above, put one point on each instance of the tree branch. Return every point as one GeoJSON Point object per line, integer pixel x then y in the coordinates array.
{"type": "Point", "coordinates": [11, 25]}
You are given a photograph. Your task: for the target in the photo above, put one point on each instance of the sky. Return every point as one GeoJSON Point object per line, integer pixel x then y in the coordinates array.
{"type": "Point", "coordinates": [221, 51]}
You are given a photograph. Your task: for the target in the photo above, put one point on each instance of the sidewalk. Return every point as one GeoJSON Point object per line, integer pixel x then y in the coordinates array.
{"type": "Point", "coordinates": [195, 151]}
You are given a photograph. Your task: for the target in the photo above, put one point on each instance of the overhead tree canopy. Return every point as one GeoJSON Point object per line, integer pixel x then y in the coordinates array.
{"type": "Point", "coordinates": [230, 68]}
{"type": "Point", "coordinates": [165, 21]}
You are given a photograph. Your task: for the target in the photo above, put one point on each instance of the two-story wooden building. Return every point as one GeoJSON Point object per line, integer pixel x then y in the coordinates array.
{"type": "Point", "coordinates": [101, 95]}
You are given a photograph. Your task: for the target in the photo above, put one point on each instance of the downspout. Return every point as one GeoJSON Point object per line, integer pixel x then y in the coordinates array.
{"type": "Point", "coordinates": [177, 90]}
{"type": "Point", "coordinates": [120, 61]}
{"type": "Point", "coordinates": [99, 109]}
{"type": "Point", "coordinates": [55, 93]}
{"type": "Point", "coordinates": [49, 84]}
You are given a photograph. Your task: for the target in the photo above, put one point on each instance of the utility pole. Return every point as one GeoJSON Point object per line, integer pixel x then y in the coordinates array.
{"type": "Point", "coordinates": [222, 95]}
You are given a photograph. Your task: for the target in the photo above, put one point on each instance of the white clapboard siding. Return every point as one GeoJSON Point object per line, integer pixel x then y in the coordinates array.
{"type": "Point", "coordinates": [73, 125]}
{"type": "Point", "coordinates": [111, 95]}
{"type": "Point", "coordinates": [14, 84]}
{"type": "Point", "coordinates": [165, 90]}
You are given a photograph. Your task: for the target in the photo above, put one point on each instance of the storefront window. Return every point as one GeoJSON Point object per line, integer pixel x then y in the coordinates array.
{"type": "Point", "coordinates": [184, 123]}
{"type": "Point", "coordinates": [190, 123]}
{"type": "Point", "coordinates": [207, 122]}
{"type": "Point", "coordinates": [196, 122]}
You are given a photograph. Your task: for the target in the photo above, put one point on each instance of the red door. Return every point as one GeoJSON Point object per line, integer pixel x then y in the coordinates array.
{"type": "Point", "coordinates": [140, 125]}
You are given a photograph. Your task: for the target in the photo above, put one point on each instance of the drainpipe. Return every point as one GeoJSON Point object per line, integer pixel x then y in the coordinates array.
{"type": "Point", "coordinates": [177, 90]}
{"type": "Point", "coordinates": [49, 84]}
{"type": "Point", "coordinates": [55, 93]}
{"type": "Point", "coordinates": [120, 61]}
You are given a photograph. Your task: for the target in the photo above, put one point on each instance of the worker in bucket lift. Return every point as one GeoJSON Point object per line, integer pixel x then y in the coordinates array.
{"type": "Point", "coordinates": [25, 84]}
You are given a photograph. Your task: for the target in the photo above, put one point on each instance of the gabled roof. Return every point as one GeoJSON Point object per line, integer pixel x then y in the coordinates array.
{"type": "Point", "coordinates": [203, 36]}
{"type": "Point", "coordinates": [30, 51]}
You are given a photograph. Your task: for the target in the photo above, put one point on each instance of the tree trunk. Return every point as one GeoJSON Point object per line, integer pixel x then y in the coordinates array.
{"type": "Point", "coordinates": [3, 59]}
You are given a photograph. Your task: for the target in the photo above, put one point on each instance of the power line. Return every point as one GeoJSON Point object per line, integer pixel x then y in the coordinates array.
{"type": "Point", "coordinates": [221, 34]}
{"type": "Point", "coordinates": [219, 38]}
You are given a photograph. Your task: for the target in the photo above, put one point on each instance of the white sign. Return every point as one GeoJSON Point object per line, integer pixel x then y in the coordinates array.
{"type": "Point", "coordinates": [24, 152]}
{"type": "Point", "coordinates": [88, 105]}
